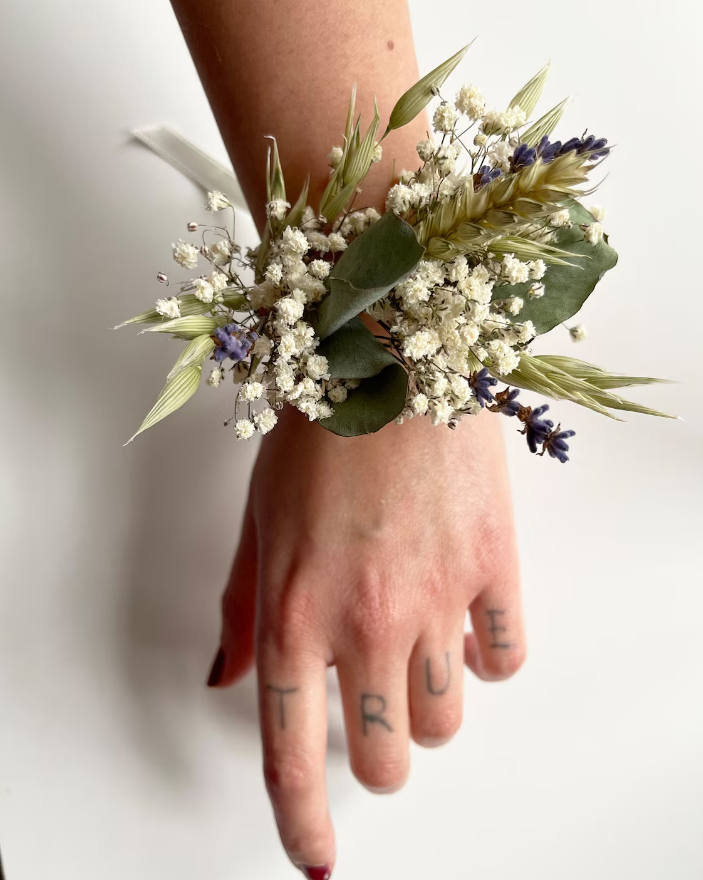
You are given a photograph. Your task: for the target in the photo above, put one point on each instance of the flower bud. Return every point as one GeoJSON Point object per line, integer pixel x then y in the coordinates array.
{"type": "Point", "coordinates": [192, 226]}
{"type": "Point", "coordinates": [162, 278]}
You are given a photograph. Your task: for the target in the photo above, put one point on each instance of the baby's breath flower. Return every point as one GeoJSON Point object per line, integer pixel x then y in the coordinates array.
{"type": "Point", "coordinates": [377, 154]}
{"type": "Point", "coordinates": [419, 404]}
{"type": "Point", "coordinates": [251, 391]}
{"type": "Point", "coordinates": [470, 102]}
{"type": "Point", "coordinates": [597, 212]}
{"type": "Point", "coordinates": [218, 280]}
{"type": "Point", "coordinates": [515, 271]}
{"type": "Point", "coordinates": [215, 377]}
{"type": "Point", "coordinates": [244, 429]}
{"type": "Point", "coordinates": [294, 242]}
{"type": "Point", "coordinates": [221, 251]}
{"type": "Point", "coordinates": [593, 233]}
{"type": "Point", "coordinates": [265, 421]}
{"type": "Point", "coordinates": [316, 367]}
{"type": "Point", "coordinates": [444, 118]}
{"type": "Point", "coordinates": [204, 291]}
{"type": "Point", "coordinates": [289, 309]}
{"type": "Point", "coordinates": [514, 305]}
{"type": "Point", "coordinates": [399, 199]}
{"type": "Point", "coordinates": [538, 269]}
{"type": "Point", "coordinates": [185, 254]}
{"type": "Point", "coordinates": [372, 216]}
{"type": "Point", "coordinates": [337, 393]}
{"type": "Point", "coordinates": [217, 201]}
{"type": "Point", "coordinates": [560, 218]}
{"type": "Point", "coordinates": [169, 307]}
{"type": "Point", "coordinates": [425, 150]}
{"type": "Point", "coordinates": [335, 156]}
{"type": "Point", "coordinates": [276, 209]}
{"type": "Point", "coordinates": [324, 410]}
{"type": "Point", "coordinates": [480, 139]}
{"type": "Point", "coordinates": [274, 273]}
{"type": "Point", "coordinates": [318, 242]}
{"type": "Point", "coordinates": [536, 291]}
{"type": "Point", "coordinates": [578, 332]}
{"type": "Point", "coordinates": [319, 268]}
{"type": "Point", "coordinates": [336, 242]}
{"type": "Point", "coordinates": [422, 344]}
{"type": "Point", "coordinates": [441, 411]}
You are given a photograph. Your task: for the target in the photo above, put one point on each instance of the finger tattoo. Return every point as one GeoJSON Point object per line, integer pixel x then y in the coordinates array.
{"type": "Point", "coordinates": [282, 694]}
{"type": "Point", "coordinates": [494, 614]}
{"type": "Point", "coordinates": [431, 686]}
{"type": "Point", "coordinates": [372, 708]}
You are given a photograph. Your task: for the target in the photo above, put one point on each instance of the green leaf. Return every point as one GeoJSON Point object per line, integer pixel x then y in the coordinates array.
{"type": "Point", "coordinates": [529, 95]}
{"type": "Point", "coordinates": [353, 352]}
{"type": "Point", "coordinates": [419, 96]}
{"type": "Point", "coordinates": [566, 287]}
{"type": "Point", "coordinates": [277, 187]}
{"type": "Point", "coordinates": [193, 354]}
{"type": "Point", "coordinates": [375, 403]}
{"type": "Point", "coordinates": [376, 261]}
{"type": "Point", "coordinates": [295, 215]}
{"type": "Point", "coordinates": [191, 305]}
{"type": "Point", "coordinates": [545, 125]}
{"type": "Point", "coordinates": [360, 161]}
{"type": "Point", "coordinates": [188, 328]}
{"type": "Point", "coordinates": [175, 393]}
{"type": "Point", "coordinates": [595, 375]}
{"type": "Point", "coordinates": [538, 374]}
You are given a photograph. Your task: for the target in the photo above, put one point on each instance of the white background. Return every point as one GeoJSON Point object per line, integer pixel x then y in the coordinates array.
{"type": "Point", "coordinates": [115, 762]}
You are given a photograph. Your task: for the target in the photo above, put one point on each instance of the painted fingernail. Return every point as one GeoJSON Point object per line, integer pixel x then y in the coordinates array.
{"type": "Point", "coordinates": [218, 668]}
{"type": "Point", "coordinates": [317, 872]}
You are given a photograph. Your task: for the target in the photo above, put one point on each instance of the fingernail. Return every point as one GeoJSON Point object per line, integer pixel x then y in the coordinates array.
{"type": "Point", "coordinates": [218, 668]}
{"type": "Point", "coordinates": [317, 872]}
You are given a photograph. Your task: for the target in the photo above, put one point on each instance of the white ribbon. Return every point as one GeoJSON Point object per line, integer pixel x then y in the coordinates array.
{"type": "Point", "coordinates": [192, 162]}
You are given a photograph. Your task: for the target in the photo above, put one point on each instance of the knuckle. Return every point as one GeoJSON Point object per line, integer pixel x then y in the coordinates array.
{"type": "Point", "coordinates": [374, 613]}
{"type": "Point", "coordinates": [288, 777]}
{"type": "Point", "coordinates": [383, 777]}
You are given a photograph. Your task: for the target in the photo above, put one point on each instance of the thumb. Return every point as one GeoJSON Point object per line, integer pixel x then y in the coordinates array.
{"type": "Point", "coordinates": [235, 655]}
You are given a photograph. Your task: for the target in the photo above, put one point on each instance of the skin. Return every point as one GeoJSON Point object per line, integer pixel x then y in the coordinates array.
{"type": "Point", "coordinates": [360, 552]}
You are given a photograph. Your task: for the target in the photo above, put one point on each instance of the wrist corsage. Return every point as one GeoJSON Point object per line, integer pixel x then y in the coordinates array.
{"type": "Point", "coordinates": [481, 249]}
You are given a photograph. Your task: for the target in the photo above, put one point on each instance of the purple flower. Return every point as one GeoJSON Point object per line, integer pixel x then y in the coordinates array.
{"type": "Point", "coordinates": [523, 156]}
{"type": "Point", "coordinates": [536, 428]}
{"type": "Point", "coordinates": [556, 444]}
{"type": "Point", "coordinates": [485, 175]}
{"type": "Point", "coordinates": [547, 151]}
{"type": "Point", "coordinates": [481, 383]}
{"type": "Point", "coordinates": [506, 402]}
{"type": "Point", "coordinates": [595, 147]}
{"type": "Point", "coordinates": [233, 341]}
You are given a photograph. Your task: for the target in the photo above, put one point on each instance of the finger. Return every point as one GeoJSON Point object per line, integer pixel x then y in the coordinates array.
{"type": "Point", "coordinates": [436, 685]}
{"type": "Point", "coordinates": [235, 655]}
{"type": "Point", "coordinates": [374, 686]}
{"type": "Point", "coordinates": [293, 708]}
{"type": "Point", "coordinates": [496, 648]}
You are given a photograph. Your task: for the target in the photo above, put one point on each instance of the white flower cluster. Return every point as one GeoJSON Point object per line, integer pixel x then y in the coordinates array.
{"type": "Point", "coordinates": [446, 324]}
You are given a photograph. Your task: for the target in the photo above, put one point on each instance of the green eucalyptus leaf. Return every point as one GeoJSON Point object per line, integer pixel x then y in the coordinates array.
{"type": "Point", "coordinates": [545, 125]}
{"type": "Point", "coordinates": [353, 352]}
{"type": "Point", "coordinates": [419, 96]}
{"type": "Point", "coordinates": [193, 354]}
{"type": "Point", "coordinates": [567, 287]}
{"type": "Point", "coordinates": [376, 261]}
{"type": "Point", "coordinates": [529, 94]}
{"type": "Point", "coordinates": [176, 392]}
{"type": "Point", "coordinates": [376, 402]}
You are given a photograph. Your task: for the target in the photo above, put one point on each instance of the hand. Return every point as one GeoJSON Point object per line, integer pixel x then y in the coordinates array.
{"type": "Point", "coordinates": [365, 553]}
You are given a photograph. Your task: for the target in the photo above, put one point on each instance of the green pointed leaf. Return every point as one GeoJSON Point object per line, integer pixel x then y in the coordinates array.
{"type": "Point", "coordinates": [419, 96]}
{"type": "Point", "coordinates": [545, 125]}
{"type": "Point", "coordinates": [373, 263]}
{"type": "Point", "coordinates": [191, 305]}
{"type": "Point", "coordinates": [349, 128]}
{"type": "Point", "coordinates": [529, 95]}
{"type": "Point", "coordinates": [337, 202]}
{"type": "Point", "coordinates": [566, 287]}
{"type": "Point", "coordinates": [595, 375]}
{"type": "Point", "coordinates": [360, 161]}
{"type": "Point", "coordinates": [193, 354]}
{"type": "Point", "coordinates": [188, 328]}
{"type": "Point", "coordinates": [277, 189]}
{"type": "Point", "coordinates": [176, 392]}
{"type": "Point", "coordinates": [295, 215]}
{"type": "Point", "coordinates": [353, 352]}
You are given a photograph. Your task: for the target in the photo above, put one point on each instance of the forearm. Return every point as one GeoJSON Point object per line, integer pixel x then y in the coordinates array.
{"type": "Point", "coordinates": [286, 69]}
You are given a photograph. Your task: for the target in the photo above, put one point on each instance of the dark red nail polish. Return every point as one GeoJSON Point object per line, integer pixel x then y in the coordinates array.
{"type": "Point", "coordinates": [218, 667]}
{"type": "Point", "coordinates": [317, 872]}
